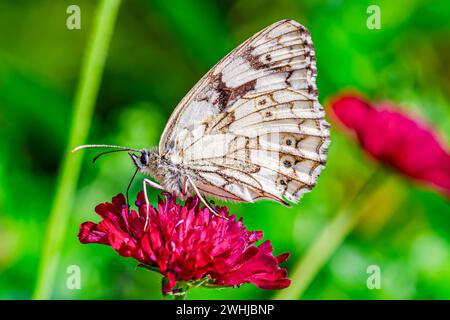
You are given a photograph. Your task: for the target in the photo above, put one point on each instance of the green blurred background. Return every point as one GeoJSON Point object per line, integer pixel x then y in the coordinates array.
{"type": "Point", "coordinates": [159, 49]}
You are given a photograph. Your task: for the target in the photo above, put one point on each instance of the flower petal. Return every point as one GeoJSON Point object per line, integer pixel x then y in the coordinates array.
{"type": "Point", "coordinates": [90, 233]}
{"type": "Point", "coordinates": [187, 243]}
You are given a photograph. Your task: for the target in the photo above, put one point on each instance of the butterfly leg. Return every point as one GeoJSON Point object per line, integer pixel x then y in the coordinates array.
{"type": "Point", "coordinates": [154, 185]}
{"type": "Point", "coordinates": [204, 200]}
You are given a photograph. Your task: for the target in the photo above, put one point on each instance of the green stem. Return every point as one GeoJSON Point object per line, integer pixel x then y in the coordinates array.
{"type": "Point", "coordinates": [180, 296]}
{"type": "Point", "coordinates": [86, 95]}
{"type": "Point", "coordinates": [329, 240]}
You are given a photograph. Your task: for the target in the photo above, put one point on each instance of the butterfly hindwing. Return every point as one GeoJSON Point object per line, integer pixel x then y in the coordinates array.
{"type": "Point", "coordinates": [252, 127]}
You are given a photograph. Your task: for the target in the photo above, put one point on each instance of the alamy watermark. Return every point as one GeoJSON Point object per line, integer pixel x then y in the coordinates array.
{"type": "Point", "coordinates": [374, 278]}
{"type": "Point", "coordinates": [73, 281]}
{"type": "Point", "coordinates": [73, 21]}
{"type": "Point", "coordinates": [374, 18]}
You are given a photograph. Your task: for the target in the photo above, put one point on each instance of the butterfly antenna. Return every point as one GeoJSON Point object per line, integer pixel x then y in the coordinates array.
{"type": "Point", "coordinates": [117, 149]}
{"type": "Point", "coordinates": [105, 152]}
{"type": "Point", "coordinates": [104, 146]}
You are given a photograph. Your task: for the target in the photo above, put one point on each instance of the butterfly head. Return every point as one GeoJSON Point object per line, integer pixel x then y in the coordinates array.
{"type": "Point", "coordinates": [141, 159]}
{"type": "Point", "coordinates": [145, 160]}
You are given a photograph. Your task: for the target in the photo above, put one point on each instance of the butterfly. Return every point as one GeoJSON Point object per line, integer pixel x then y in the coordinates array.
{"type": "Point", "coordinates": [252, 128]}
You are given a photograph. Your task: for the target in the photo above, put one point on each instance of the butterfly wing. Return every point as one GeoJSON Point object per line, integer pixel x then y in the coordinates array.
{"type": "Point", "coordinates": [252, 127]}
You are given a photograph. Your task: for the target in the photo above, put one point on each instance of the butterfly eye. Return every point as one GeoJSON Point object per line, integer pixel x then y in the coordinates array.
{"type": "Point", "coordinates": [144, 157]}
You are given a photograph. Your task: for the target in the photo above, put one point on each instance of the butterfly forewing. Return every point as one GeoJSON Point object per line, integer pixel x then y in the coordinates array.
{"type": "Point", "coordinates": [252, 127]}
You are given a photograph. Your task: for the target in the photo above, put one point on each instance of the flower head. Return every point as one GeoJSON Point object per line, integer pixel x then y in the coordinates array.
{"type": "Point", "coordinates": [187, 243]}
{"type": "Point", "coordinates": [396, 140]}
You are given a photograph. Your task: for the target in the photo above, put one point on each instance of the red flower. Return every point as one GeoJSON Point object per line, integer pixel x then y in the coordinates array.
{"type": "Point", "coordinates": [395, 139]}
{"type": "Point", "coordinates": [187, 243]}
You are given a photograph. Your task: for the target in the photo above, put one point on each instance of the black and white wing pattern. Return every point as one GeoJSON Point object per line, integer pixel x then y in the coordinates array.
{"type": "Point", "coordinates": [252, 127]}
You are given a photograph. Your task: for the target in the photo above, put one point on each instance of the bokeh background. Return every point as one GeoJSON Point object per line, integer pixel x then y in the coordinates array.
{"type": "Point", "coordinates": [159, 49]}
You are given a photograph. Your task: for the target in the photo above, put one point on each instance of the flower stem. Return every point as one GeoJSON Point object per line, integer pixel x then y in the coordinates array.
{"type": "Point", "coordinates": [86, 94]}
{"type": "Point", "coordinates": [330, 239]}
{"type": "Point", "coordinates": [180, 296]}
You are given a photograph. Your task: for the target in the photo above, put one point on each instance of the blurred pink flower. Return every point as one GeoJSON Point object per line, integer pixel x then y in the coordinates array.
{"type": "Point", "coordinates": [396, 140]}
{"type": "Point", "coordinates": [187, 243]}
